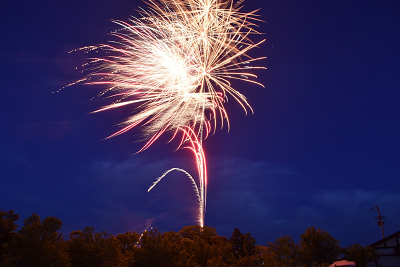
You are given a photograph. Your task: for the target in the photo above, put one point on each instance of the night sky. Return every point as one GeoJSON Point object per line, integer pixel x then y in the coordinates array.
{"type": "Point", "coordinates": [321, 149]}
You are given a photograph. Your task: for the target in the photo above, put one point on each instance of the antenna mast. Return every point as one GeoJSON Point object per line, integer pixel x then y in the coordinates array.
{"type": "Point", "coordinates": [380, 220]}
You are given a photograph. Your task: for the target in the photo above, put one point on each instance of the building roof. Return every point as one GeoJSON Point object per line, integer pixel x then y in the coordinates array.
{"type": "Point", "coordinates": [385, 239]}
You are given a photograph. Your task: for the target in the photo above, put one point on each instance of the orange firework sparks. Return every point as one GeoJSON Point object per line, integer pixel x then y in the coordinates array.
{"type": "Point", "coordinates": [173, 66]}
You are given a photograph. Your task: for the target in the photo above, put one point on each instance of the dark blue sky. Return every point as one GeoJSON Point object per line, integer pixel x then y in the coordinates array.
{"type": "Point", "coordinates": [321, 149]}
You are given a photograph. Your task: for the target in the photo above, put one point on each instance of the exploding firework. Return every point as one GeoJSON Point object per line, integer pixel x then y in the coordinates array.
{"type": "Point", "coordinates": [174, 65]}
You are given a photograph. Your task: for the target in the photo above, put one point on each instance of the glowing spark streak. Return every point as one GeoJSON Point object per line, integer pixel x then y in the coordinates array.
{"type": "Point", "coordinates": [181, 170]}
{"type": "Point", "coordinates": [196, 147]}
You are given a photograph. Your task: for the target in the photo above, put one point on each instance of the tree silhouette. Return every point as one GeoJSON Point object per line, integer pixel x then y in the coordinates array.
{"type": "Point", "coordinates": [359, 254]}
{"type": "Point", "coordinates": [88, 248]}
{"type": "Point", "coordinates": [318, 247]}
{"type": "Point", "coordinates": [39, 244]}
{"type": "Point", "coordinates": [128, 243]}
{"type": "Point", "coordinates": [284, 252]}
{"type": "Point", "coordinates": [244, 249]}
{"type": "Point", "coordinates": [158, 249]}
{"type": "Point", "coordinates": [7, 231]}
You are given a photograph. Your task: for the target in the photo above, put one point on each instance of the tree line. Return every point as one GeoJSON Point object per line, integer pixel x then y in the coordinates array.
{"type": "Point", "coordinates": [40, 243]}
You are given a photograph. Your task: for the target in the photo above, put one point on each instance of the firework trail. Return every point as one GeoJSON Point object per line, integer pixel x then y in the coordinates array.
{"type": "Point", "coordinates": [201, 191]}
{"type": "Point", "coordinates": [173, 65]}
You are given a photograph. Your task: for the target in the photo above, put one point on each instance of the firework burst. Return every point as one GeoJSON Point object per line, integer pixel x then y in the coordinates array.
{"type": "Point", "coordinates": [173, 65]}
